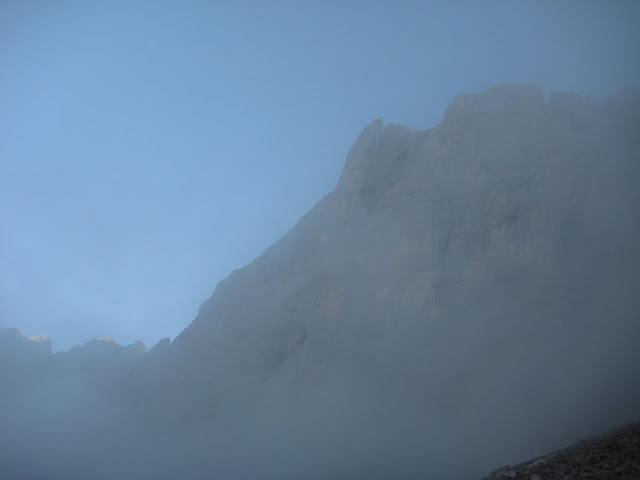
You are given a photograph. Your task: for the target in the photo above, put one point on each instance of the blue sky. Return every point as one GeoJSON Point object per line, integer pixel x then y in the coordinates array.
{"type": "Point", "coordinates": [149, 148]}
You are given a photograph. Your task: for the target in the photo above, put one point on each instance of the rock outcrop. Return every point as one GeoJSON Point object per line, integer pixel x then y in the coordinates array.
{"type": "Point", "coordinates": [615, 454]}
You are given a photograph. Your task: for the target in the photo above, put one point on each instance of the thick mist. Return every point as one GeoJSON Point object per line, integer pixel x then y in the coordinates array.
{"type": "Point", "coordinates": [457, 294]}
{"type": "Point", "coordinates": [464, 298]}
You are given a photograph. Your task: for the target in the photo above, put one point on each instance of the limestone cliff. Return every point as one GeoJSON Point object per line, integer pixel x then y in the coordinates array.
{"type": "Point", "coordinates": [470, 288]}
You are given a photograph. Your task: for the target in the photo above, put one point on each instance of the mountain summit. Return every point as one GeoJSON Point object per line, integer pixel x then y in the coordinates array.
{"type": "Point", "coordinates": [466, 297]}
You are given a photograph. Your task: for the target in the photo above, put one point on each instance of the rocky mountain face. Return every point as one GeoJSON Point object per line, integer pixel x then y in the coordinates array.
{"type": "Point", "coordinates": [466, 297]}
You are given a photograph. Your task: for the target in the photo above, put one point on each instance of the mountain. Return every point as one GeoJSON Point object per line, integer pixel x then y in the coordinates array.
{"type": "Point", "coordinates": [466, 297]}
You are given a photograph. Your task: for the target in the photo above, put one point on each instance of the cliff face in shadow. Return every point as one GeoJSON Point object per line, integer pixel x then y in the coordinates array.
{"type": "Point", "coordinates": [466, 297]}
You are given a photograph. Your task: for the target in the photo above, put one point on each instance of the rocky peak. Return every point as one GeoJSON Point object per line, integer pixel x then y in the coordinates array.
{"type": "Point", "coordinates": [374, 163]}
{"type": "Point", "coordinates": [356, 164]}
{"type": "Point", "coordinates": [502, 98]}
{"type": "Point", "coordinates": [97, 351]}
{"type": "Point", "coordinates": [138, 346]}
{"type": "Point", "coordinates": [382, 151]}
{"type": "Point", "coordinates": [13, 340]}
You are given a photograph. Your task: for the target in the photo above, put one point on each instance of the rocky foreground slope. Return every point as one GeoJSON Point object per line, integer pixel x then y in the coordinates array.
{"type": "Point", "coordinates": [613, 455]}
{"type": "Point", "coordinates": [466, 297]}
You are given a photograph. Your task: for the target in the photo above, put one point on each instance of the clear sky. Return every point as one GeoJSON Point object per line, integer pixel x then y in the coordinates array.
{"type": "Point", "coordinates": [149, 148]}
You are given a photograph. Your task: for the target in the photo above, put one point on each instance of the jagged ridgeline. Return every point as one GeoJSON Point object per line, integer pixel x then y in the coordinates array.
{"type": "Point", "coordinates": [466, 297]}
